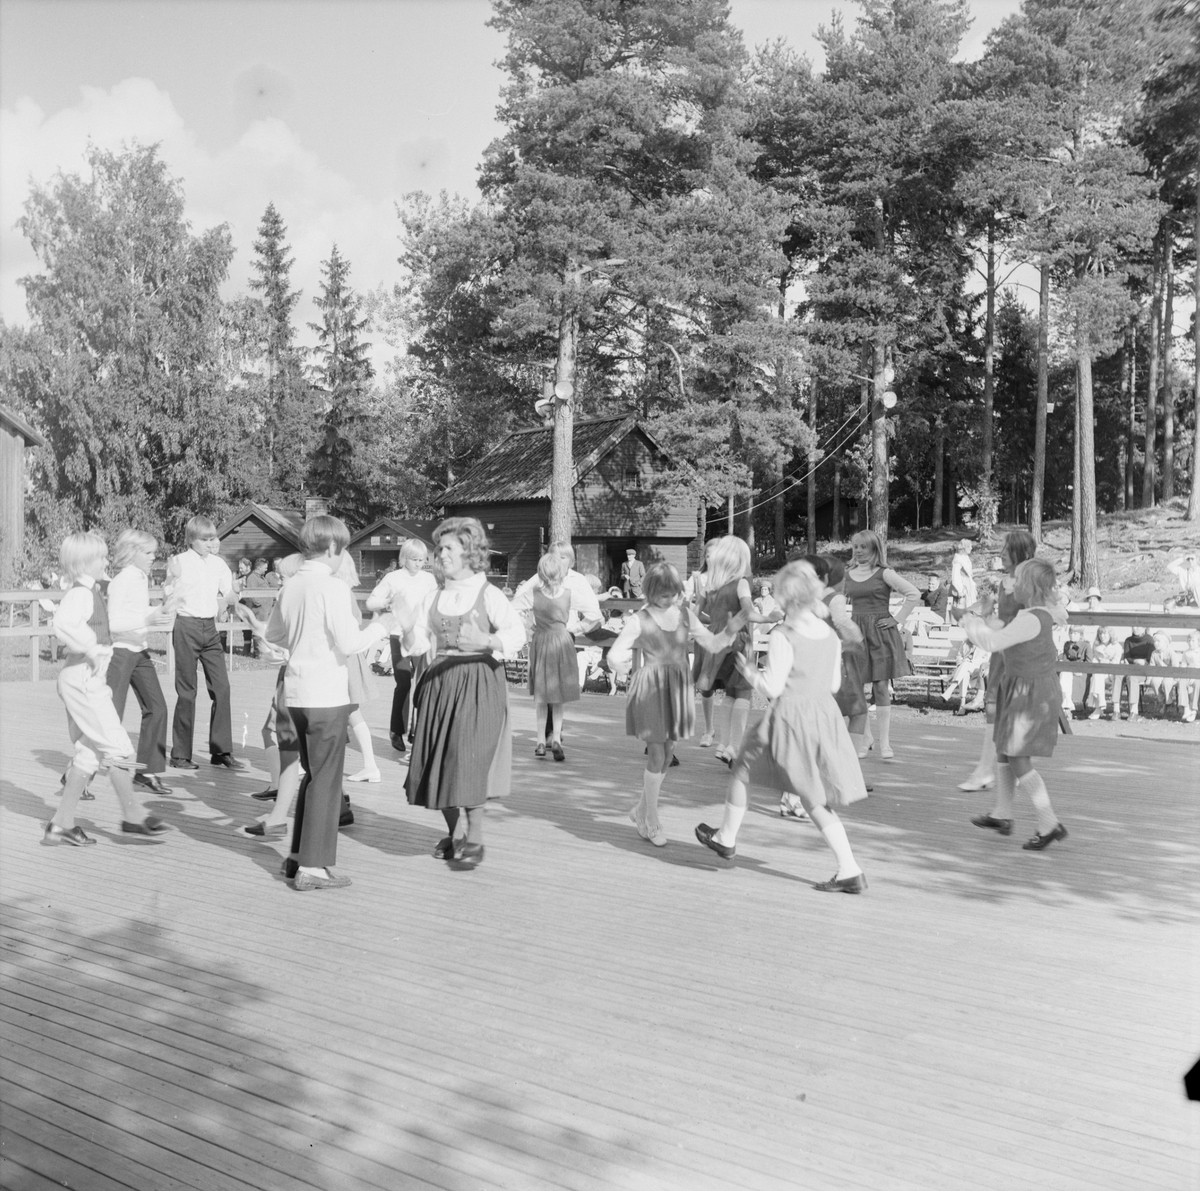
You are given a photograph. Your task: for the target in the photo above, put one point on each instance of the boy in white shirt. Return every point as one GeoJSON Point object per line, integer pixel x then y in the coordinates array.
{"type": "Point", "coordinates": [99, 740]}
{"type": "Point", "coordinates": [199, 585]}
{"type": "Point", "coordinates": [314, 621]}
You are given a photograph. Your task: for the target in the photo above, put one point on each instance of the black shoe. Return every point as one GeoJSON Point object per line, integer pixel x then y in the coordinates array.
{"type": "Point", "coordinates": [674, 760]}
{"type": "Point", "coordinates": [539, 751]}
{"type": "Point", "coordinates": [228, 761]}
{"type": "Point", "coordinates": [183, 763]}
{"type": "Point", "coordinates": [148, 826]}
{"type": "Point", "coordinates": [267, 795]}
{"type": "Point", "coordinates": [556, 751]}
{"type": "Point", "coordinates": [1040, 841]}
{"type": "Point", "coordinates": [398, 742]}
{"type": "Point", "coordinates": [153, 783]}
{"type": "Point", "coordinates": [444, 849]}
{"type": "Point", "coordinates": [1003, 826]}
{"type": "Point", "coordinates": [708, 837]}
{"type": "Point", "coordinates": [846, 885]}
{"type": "Point", "coordinates": [412, 735]}
{"type": "Point", "coordinates": [347, 818]}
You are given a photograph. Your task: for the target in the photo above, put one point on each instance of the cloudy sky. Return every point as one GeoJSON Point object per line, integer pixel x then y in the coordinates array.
{"type": "Point", "coordinates": [332, 109]}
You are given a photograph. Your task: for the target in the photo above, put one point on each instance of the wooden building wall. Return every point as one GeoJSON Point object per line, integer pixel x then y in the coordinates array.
{"type": "Point", "coordinates": [12, 499]}
{"type": "Point", "coordinates": [518, 529]}
{"type": "Point", "coordinates": [251, 539]}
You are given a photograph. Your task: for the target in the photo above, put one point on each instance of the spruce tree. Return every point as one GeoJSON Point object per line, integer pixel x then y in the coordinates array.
{"type": "Point", "coordinates": [343, 374]}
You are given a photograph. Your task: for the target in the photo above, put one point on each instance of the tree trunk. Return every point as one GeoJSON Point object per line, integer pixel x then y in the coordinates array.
{"type": "Point", "coordinates": [1148, 467]}
{"type": "Point", "coordinates": [989, 366]}
{"type": "Point", "coordinates": [1075, 487]}
{"type": "Point", "coordinates": [939, 472]}
{"type": "Point", "coordinates": [835, 525]}
{"type": "Point", "coordinates": [811, 496]}
{"type": "Point", "coordinates": [731, 513]}
{"type": "Point", "coordinates": [1131, 419]}
{"type": "Point", "coordinates": [879, 451]}
{"type": "Point", "coordinates": [1168, 390]}
{"type": "Point", "coordinates": [562, 480]}
{"type": "Point", "coordinates": [951, 494]}
{"type": "Point", "coordinates": [1037, 497]}
{"type": "Point", "coordinates": [1193, 509]}
{"type": "Point", "coordinates": [1089, 573]}
{"type": "Point", "coordinates": [1124, 461]}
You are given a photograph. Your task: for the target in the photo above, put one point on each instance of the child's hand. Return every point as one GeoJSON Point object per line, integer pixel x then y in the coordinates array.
{"type": "Point", "coordinates": [747, 669]}
{"type": "Point", "coordinates": [736, 623]}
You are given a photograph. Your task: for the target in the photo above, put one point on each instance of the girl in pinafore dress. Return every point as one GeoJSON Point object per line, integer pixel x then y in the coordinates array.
{"type": "Point", "coordinates": [868, 588]}
{"type": "Point", "coordinates": [1027, 700]}
{"type": "Point", "coordinates": [727, 595]}
{"type": "Point", "coordinates": [358, 675]}
{"type": "Point", "coordinates": [801, 745]}
{"type": "Point", "coordinates": [1019, 545]}
{"type": "Point", "coordinates": [661, 708]}
{"type": "Point", "coordinates": [553, 667]}
{"type": "Point", "coordinates": [462, 751]}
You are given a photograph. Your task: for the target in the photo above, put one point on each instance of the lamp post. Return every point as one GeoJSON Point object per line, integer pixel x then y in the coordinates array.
{"type": "Point", "coordinates": [884, 400]}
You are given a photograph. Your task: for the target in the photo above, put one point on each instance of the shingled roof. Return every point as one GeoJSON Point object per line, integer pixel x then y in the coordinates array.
{"type": "Point", "coordinates": [283, 523]}
{"type": "Point", "coordinates": [519, 467]}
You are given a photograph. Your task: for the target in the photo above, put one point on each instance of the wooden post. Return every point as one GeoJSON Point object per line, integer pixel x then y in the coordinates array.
{"type": "Point", "coordinates": [35, 644]}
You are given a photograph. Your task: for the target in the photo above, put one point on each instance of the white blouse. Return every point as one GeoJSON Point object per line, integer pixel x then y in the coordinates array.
{"type": "Point", "coordinates": [457, 598]}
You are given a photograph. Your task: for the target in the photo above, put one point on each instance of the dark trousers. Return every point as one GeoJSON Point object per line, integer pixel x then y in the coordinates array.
{"type": "Point", "coordinates": [322, 732]}
{"type": "Point", "coordinates": [402, 673]}
{"type": "Point", "coordinates": [127, 669]}
{"type": "Point", "coordinates": [195, 639]}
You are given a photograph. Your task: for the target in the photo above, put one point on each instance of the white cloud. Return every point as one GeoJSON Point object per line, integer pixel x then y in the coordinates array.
{"type": "Point", "coordinates": [233, 185]}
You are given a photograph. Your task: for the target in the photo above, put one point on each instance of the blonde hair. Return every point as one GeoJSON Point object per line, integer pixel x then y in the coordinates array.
{"type": "Point", "coordinates": [469, 532]}
{"type": "Point", "coordinates": [728, 559]}
{"type": "Point", "coordinates": [199, 527]}
{"type": "Point", "coordinates": [552, 567]}
{"type": "Point", "coordinates": [797, 587]}
{"type": "Point", "coordinates": [1162, 641]}
{"type": "Point", "coordinates": [347, 572]}
{"type": "Point", "coordinates": [662, 579]}
{"type": "Point", "coordinates": [1036, 577]}
{"type": "Point", "coordinates": [1104, 636]}
{"type": "Point", "coordinates": [129, 543]}
{"type": "Point", "coordinates": [82, 554]}
{"type": "Point", "coordinates": [413, 548]}
{"type": "Point", "coordinates": [870, 538]}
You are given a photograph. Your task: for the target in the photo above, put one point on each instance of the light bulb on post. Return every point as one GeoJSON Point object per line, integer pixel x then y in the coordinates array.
{"type": "Point", "coordinates": [889, 375]}
{"type": "Point", "coordinates": [888, 399]}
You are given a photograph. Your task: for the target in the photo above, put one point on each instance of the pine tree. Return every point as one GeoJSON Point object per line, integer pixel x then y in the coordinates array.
{"type": "Point", "coordinates": [285, 405]}
{"type": "Point", "coordinates": [343, 375]}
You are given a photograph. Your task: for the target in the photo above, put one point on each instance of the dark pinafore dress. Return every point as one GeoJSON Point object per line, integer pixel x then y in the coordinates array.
{"type": "Point", "coordinates": [869, 604]}
{"type": "Point", "coordinates": [713, 671]}
{"type": "Point", "coordinates": [801, 745]}
{"type": "Point", "coordinates": [553, 669]}
{"type": "Point", "coordinates": [849, 696]}
{"type": "Point", "coordinates": [1028, 695]}
{"type": "Point", "coordinates": [661, 704]}
{"type": "Point", "coordinates": [462, 750]}
{"type": "Point", "coordinates": [1007, 606]}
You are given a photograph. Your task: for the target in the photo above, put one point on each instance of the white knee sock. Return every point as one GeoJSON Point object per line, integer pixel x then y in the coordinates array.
{"type": "Point", "coordinates": [362, 735]}
{"type": "Point", "coordinates": [835, 836]}
{"type": "Point", "coordinates": [734, 815]}
{"type": "Point", "coordinates": [651, 785]}
{"type": "Point", "coordinates": [1033, 785]}
{"type": "Point", "coordinates": [73, 788]}
{"type": "Point", "coordinates": [737, 724]}
{"type": "Point", "coordinates": [987, 758]}
{"type": "Point", "coordinates": [1005, 789]}
{"type": "Point", "coordinates": [860, 743]}
{"type": "Point", "coordinates": [885, 728]}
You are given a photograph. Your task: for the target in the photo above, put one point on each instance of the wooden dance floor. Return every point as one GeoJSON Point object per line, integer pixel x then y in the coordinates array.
{"type": "Point", "coordinates": [585, 1011]}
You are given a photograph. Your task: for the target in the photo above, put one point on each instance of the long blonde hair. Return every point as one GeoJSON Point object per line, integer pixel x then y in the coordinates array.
{"type": "Point", "coordinates": [870, 538]}
{"type": "Point", "coordinates": [728, 559]}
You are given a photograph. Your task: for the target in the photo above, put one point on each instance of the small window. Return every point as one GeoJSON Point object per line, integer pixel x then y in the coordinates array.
{"type": "Point", "coordinates": [633, 478]}
{"type": "Point", "coordinates": [376, 541]}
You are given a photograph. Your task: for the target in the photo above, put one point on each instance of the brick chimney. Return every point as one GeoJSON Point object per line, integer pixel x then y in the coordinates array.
{"type": "Point", "coordinates": [315, 506]}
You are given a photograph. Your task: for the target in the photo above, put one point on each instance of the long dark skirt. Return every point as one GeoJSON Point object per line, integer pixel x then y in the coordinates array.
{"type": "Point", "coordinates": [462, 751]}
{"type": "Point", "coordinates": [885, 656]}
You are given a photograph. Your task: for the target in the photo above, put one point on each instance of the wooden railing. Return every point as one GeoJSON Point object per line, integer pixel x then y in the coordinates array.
{"type": "Point", "coordinates": [40, 621]}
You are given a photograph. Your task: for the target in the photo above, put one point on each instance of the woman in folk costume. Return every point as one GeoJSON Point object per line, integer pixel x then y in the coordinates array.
{"type": "Point", "coordinates": [1027, 700]}
{"type": "Point", "coordinates": [962, 577]}
{"type": "Point", "coordinates": [801, 745]}
{"type": "Point", "coordinates": [868, 588]}
{"type": "Point", "coordinates": [462, 750]}
{"type": "Point", "coordinates": [727, 595]}
{"type": "Point", "coordinates": [661, 707]}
